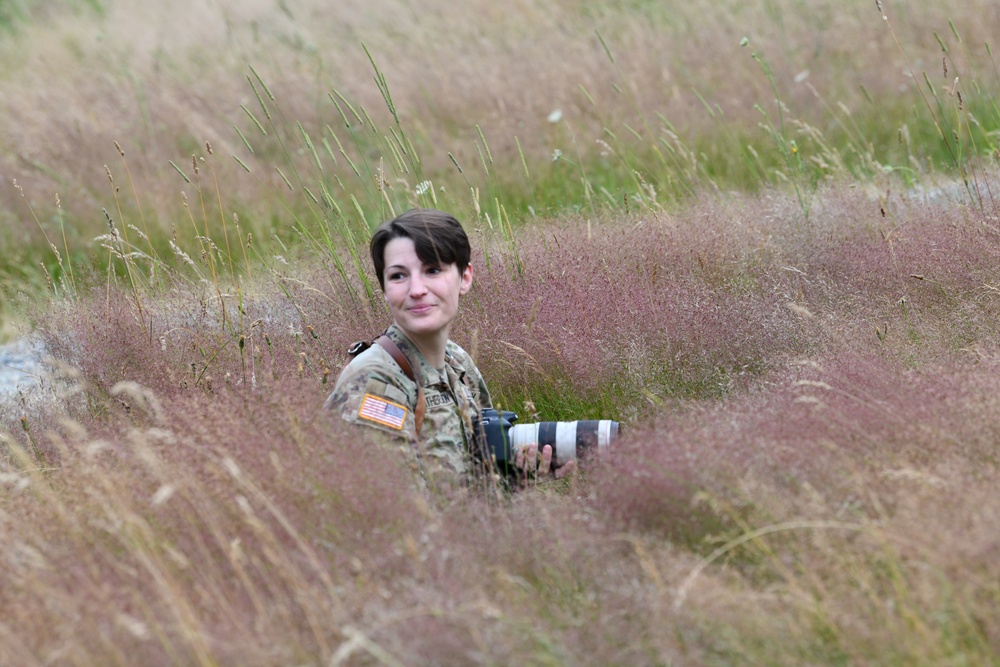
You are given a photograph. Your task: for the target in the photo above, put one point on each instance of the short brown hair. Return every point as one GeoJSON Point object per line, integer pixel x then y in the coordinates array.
{"type": "Point", "coordinates": [437, 237]}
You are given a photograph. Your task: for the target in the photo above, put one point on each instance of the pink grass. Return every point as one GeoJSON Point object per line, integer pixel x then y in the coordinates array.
{"type": "Point", "coordinates": [849, 474]}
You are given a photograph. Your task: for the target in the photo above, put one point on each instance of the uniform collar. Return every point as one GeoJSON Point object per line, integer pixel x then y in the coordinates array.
{"type": "Point", "coordinates": [420, 364]}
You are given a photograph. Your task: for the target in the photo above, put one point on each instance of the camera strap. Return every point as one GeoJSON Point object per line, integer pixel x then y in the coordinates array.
{"type": "Point", "coordinates": [397, 355]}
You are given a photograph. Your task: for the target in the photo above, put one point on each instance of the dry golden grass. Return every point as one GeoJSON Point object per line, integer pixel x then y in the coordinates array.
{"type": "Point", "coordinates": [162, 82]}
{"type": "Point", "coordinates": [798, 485]}
{"type": "Point", "coordinates": [809, 470]}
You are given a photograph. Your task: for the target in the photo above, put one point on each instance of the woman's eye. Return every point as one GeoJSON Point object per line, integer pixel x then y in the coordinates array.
{"type": "Point", "coordinates": [395, 276]}
{"type": "Point", "coordinates": [434, 270]}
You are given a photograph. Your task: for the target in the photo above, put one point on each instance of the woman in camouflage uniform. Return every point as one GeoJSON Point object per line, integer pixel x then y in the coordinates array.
{"type": "Point", "coordinates": [415, 384]}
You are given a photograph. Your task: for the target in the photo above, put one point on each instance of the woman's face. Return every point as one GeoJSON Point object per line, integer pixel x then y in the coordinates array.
{"type": "Point", "coordinates": [422, 298]}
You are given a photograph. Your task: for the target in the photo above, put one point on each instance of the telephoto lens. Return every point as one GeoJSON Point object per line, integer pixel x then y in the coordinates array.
{"type": "Point", "coordinates": [569, 440]}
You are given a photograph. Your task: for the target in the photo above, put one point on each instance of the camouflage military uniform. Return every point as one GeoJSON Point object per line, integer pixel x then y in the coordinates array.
{"type": "Point", "coordinates": [373, 391]}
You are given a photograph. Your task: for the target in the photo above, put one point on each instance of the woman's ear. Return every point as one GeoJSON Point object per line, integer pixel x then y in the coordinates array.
{"type": "Point", "coordinates": [466, 280]}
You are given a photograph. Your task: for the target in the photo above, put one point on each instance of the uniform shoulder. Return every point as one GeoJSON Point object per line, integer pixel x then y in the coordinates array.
{"type": "Point", "coordinates": [373, 391]}
{"type": "Point", "coordinates": [459, 356]}
{"type": "Point", "coordinates": [456, 350]}
{"type": "Point", "coordinates": [373, 363]}
{"type": "Point", "coordinates": [372, 372]}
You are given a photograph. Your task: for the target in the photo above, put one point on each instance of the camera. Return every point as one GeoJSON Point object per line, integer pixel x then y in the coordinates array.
{"type": "Point", "coordinates": [502, 439]}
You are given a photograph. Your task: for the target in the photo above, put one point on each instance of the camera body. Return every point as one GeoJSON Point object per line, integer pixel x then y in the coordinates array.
{"type": "Point", "coordinates": [502, 439]}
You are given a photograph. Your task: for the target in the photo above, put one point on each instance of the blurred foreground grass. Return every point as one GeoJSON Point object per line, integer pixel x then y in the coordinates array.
{"type": "Point", "coordinates": [584, 107]}
{"type": "Point", "coordinates": [810, 420]}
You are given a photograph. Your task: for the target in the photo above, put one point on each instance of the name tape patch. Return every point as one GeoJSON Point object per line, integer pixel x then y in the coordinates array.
{"type": "Point", "coordinates": [434, 400]}
{"type": "Point", "coordinates": [381, 411]}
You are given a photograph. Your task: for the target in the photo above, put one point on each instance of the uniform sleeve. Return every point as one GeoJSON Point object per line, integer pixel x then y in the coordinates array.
{"type": "Point", "coordinates": [376, 398]}
{"type": "Point", "coordinates": [485, 401]}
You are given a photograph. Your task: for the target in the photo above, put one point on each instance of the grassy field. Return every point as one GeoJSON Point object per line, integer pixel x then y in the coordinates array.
{"type": "Point", "coordinates": [762, 235]}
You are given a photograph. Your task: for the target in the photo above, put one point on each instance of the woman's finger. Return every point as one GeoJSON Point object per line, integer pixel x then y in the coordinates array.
{"type": "Point", "coordinates": [565, 469]}
{"type": "Point", "coordinates": [546, 463]}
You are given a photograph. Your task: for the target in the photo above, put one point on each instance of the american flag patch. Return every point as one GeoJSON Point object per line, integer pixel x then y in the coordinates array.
{"type": "Point", "coordinates": [383, 412]}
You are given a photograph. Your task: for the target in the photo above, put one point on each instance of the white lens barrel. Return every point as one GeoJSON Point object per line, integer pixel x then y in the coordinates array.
{"type": "Point", "coordinates": [568, 439]}
{"type": "Point", "coordinates": [522, 435]}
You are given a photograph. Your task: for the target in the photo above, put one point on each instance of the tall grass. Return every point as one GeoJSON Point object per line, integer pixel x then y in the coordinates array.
{"type": "Point", "coordinates": [796, 443]}
{"type": "Point", "coordinates": [642, 117]}
{"type": "Point", "coordinates": [745, 258]}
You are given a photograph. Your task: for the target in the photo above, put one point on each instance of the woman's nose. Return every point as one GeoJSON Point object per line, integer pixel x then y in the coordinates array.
{"type": "Point", "coordinates": [417, 286]}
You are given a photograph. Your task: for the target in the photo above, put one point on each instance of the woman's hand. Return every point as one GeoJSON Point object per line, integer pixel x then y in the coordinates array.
{"type": "Point", "coordinates": [532, 465]}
